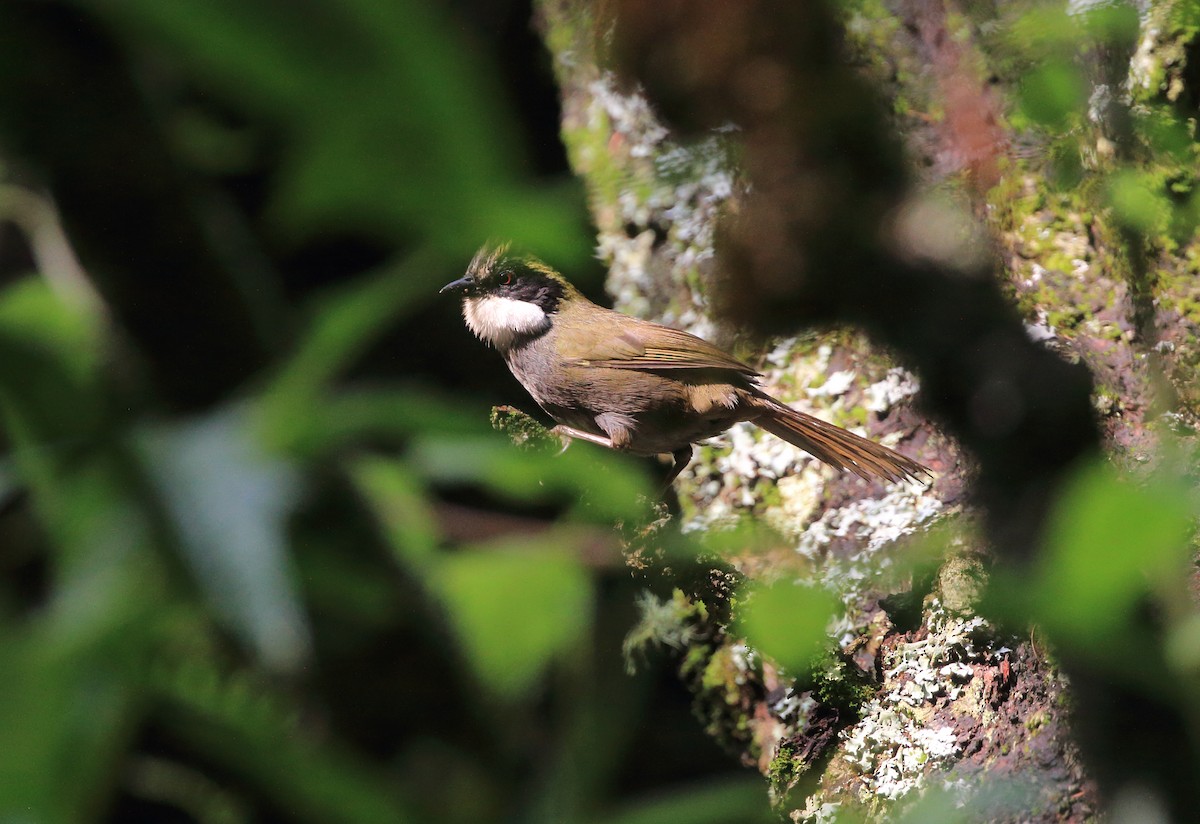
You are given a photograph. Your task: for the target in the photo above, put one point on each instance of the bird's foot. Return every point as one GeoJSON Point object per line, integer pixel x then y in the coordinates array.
{"type": "Point", "coordinates": [681, 457]}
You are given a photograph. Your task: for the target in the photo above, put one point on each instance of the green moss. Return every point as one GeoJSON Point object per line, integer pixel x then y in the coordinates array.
{"type": "Point", "coordinates": [854, 416]}
{"type": "Point", "coordinates": [960, 583]}
{"type": "Point", "coordinates": [783, 772]}
{"type": "Point", "coordinates": [871, 30]}
{"type": "Point", "coordinates": [677, 622]}
{"type": "Point", "coordinates": [694, 661]}
{"type": "Point", "coordinates": [721, 676]}
{"type": "Point", "coordinates": [724, 682]}
{"type": "Point", "coordinates": [767, 495]}
{"type": "Point", "coordinates": [1106, 402]}
{"type": "Point", "coordinates": [590, 156]}
{"type": "Point", "coordinates": [523, 430]}
{"type": "Point", "coordinates": [836, 682]}
{"type": "Point", "coordinates": [724, 697]}
{"type": "Point", "coordinates": [1036, 721]}
{"type": "Point", "coordinates": [570, 30]}
{"type": "Point", "coordinates": [1066, 320]}
{"type": "Point", "coordinates": [1162, 68]}
{"type": "Point", "coordinates": [1185, 367]}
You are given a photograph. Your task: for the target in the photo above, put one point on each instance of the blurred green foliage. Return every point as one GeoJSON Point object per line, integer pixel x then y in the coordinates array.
{"type": "Point", "coordinates": [1114, 550]}
{"type": "Point", "coordinates": [1054, 94]}
{"type": "Point", "coordinates": [391, 122]}
{"type": "Point", "coordinates": [1137, 202]}
{"type": "Point", "coordinates": [205, 617]}
{"type": "Point", "coordinates": [788, 623]}
{"type": "Point", "coordinates": [1095, 568]}
{"type": "Point", "coordinates": [278, 608]}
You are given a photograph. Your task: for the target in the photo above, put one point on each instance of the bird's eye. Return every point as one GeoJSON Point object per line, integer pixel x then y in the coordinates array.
{"type": "Point", "coordinates": [506, 278]}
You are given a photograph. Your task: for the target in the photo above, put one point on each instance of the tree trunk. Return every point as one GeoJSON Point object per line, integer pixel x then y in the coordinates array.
{"type": "Point", "coordinates": [922, 701]}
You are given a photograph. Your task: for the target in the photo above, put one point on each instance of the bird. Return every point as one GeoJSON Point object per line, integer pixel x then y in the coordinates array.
{"type": "Point", "coordinates": [633, 385]}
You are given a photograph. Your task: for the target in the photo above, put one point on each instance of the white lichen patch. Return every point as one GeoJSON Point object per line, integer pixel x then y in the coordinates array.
{"type": "Point", "coordinates": [1041, 330]}
{"type": "Point", "coordinates": [794, 708]}
{"type": "Point", "coordinates": [818, 812]}
{"type": "Point", "coordinates": [864, 531]}
{"type": "Point", "coordinates": [893, 753]}
{"type": "Point", "coordinates": [729, 482]}
{"type": "Point", "coordinates": [873, 522]}
{"type": "Point", "coordinates": [897, 385]}
{"type": "Point", "coordinates": [729, 479]}
{"type": "Point", "coordinates": [799, 499]}
{"type": "Point", "coordinates": [664, 187]}
{"type": "Point", "coordinates": [629, 115]}
{"type": "Point", "coordinates": [938, 665]}
{"type": "Point", "coordinates": [745, 663]}
{"type": "Point", "coordinates": [899, 740]}
{"type": "Point", "coordinates": [747, 471]}
{"type": "Point", "coordinates": [783, 354]}
{"type": "Point", "coordinates": [836, 385]}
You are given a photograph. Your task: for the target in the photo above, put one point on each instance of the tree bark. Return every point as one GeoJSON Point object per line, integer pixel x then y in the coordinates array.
{"type": "Point", "coordinates": [751, 168]}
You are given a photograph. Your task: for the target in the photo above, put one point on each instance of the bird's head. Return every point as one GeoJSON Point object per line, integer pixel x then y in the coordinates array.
{"type": "Point", "coordinates": [508, 298]}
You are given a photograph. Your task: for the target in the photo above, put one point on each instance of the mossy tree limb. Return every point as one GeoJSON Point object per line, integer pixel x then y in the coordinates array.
{"type": "Point", "coordinates": [834, 231]}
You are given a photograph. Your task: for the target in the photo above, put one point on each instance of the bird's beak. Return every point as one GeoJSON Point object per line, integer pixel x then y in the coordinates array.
{"type": "Point", "coordinates": [456, 286]}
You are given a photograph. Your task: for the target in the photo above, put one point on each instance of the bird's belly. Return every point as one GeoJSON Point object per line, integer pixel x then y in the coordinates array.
{"type": "Point", "coordinates": [667, 428]}
{"type": "Point", "coordinates": [560, 392]}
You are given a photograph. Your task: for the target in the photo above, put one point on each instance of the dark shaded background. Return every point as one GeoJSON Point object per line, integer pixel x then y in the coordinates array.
{"type": "Point", "coordinates": [178, 143]}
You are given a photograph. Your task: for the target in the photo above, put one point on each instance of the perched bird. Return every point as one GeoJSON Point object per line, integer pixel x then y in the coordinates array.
{"type": "Point", "coordinates": [632, 385]}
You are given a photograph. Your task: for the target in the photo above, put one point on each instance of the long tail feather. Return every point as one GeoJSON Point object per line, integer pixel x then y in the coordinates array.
{"type": "Point", "coordinates": [836, 446]}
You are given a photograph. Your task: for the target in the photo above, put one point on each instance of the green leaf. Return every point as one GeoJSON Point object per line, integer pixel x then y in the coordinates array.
{"type": "Point", "coordinates": [1109, 543]}
{"type": "Point", "coordinates": [1053, 94]}
{"type": "Point", "coordinates": [229, 502]}
{"type": "Point", "coordinates": [253, 734]}
{"type": "Point", "coordinates": [392, 120]}
{"type": "Point", "coordinates": [515, 608]}
{"type": "Point", "coordinates": [1000, 798]}
{"type": "Point", "coordinates": [1044, 29]}
{"type": "Point", "coordinates": [1066, 169]}
{"type": "Point", "coordinates": [1183, 644]}
{"type": "Point", "coordinates": [66, 720]}
{"type": "Point", "coordinates": [69, 704]}
{"type": "Point", "coordinates": [48, 361]}
{"type": "Point", "coordinates": [306, 427]}
{"type": "Point", "coordinates": [1112, 22]}
{"type": "Point", "coordinates": [788, 622]}
{"type": "Point", "coordinates": [399, 501]}
{"type": "Point", "coordinates": [608, 486]}
{"type": "Point", "coordinates": [30, 309]}
{"type": "Point", "coordinates": [1136, 201]}
{"type": "Point", "coordinates": [1166, 134]}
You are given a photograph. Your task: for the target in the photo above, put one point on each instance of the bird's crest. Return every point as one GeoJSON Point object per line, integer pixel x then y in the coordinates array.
{"type": "Point", "coordinates": [486, 261]}
{"type": "Point", "coordinates": [491, 260]}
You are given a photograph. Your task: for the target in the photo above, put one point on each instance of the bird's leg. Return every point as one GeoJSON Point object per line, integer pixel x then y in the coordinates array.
{"type": "Point", "coordinates": [564, 431]}
{"type": "Point", "coordinates": [682, 456]}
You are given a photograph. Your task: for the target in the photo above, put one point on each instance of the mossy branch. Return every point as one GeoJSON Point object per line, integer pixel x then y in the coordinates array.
{"type": "Point", "coordinates": [524, 430]}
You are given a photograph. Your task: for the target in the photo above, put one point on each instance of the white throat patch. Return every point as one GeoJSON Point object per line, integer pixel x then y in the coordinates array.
{"type": "Point", "coordinates": [501, 321]}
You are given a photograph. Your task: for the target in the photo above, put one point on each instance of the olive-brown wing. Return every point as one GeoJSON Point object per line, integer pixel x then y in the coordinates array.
{"type": "Point", "coordinates": [620, 342]}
